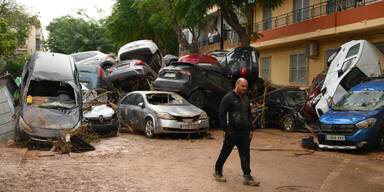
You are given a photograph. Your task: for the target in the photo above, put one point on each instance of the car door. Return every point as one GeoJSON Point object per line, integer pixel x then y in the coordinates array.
{"type": "Point", "coordinates": [124, 106]}
{"type": "Point", "coordinates": [137, 112]}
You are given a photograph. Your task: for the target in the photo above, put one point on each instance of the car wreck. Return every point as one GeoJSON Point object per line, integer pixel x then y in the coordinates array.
{"type": "Point", "coordinates": [8, 94]}
{"type": "Point", "coordinates": [356, 61]}
{"type": "Point", "coordinates": [50, 105]}
{"type": "Point", "coordinates": [138, 62]}
{"type": "Point", "coordinates": [157, 112]}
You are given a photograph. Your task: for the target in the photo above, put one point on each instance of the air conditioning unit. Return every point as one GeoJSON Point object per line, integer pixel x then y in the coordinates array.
{"type": "Point", "coordinates": [312, 50]}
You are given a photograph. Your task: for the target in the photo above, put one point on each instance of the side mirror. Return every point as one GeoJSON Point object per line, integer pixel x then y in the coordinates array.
{"type": "Point", "coordinates": [141, 104]}
{"type": "Point", "coordinates": [340, 72]}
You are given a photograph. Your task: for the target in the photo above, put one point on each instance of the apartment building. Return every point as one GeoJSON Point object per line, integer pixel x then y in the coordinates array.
{"type": "Point", "coordinates": [299, 36]}
{"type": "Point", "coordinates": [34, 42]}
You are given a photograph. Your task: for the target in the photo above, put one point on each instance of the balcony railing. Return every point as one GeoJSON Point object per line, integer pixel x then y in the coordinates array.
{"type": "Point", "coordinates": [310, 12]}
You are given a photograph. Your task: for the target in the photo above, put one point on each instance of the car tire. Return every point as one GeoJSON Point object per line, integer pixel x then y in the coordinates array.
{"type": "Point", "coordinates": [288, 123]}
{"type": "Point", "coordinates": [380, 140]}
{"type": "Point", "coordinates": [149, 129]}
{"type": "Point", "coordinates": [198, 99]}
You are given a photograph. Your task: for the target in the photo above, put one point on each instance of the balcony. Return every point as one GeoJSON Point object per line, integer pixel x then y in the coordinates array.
{"type": "Point", "coordinates": [310, 12]}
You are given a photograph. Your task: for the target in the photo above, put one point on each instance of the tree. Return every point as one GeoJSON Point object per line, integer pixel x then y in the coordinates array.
{"type": "Point", "coordinates": [228, 9]}
{"type": "Point", "coordinates": [134, 20]}
{"type": "Point", "coordinates": [69, 35]}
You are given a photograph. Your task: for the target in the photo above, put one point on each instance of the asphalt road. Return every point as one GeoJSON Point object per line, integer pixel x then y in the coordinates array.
{"type": "Point", "coordinates": [131, 162]}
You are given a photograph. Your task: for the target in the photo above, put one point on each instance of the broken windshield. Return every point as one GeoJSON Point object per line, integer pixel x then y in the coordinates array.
{"type": "Point", "coordinates": [51, 94]}
{"type": "Point", "coordinates": [361, 101]}
{"type": "Point", "coordinates": [296, 97]}
{"type": "Point", "coordinates": [165, 99]}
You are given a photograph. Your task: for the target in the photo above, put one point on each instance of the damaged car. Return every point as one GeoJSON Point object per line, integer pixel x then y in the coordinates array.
{"type": "Point", "coordinates": [199, 79]}
{"type": "Point", "coordinates": [356, 121]}
{"type": "Point", "coordinates": [92, 67]}
{"type": "Point", "coordinates": [50, 104]}
{"type": "Point", "coordinates": [355, 62]}
{"type": "Point", "coordinates": [157, 112]}
{"type": "Point", "coordinates": [283, 108]}
{"type": "Point", "coordinates": [138, 62]}
{"type": "Point", "coordinates": [99, 112]}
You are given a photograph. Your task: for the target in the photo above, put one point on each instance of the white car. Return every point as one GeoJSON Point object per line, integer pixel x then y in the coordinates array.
{"type": "Point", "coordinates": [356, 61]}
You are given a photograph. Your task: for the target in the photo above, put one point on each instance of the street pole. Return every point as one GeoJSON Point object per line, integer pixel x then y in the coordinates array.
{"type": "Point", "coordinates": [221, 31]}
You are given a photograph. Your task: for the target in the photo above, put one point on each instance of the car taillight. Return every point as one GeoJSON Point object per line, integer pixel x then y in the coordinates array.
{"type": "Point", "coordinates": [243, 72]}
{"type": "Point", "coordinates": [139, 62]}
{"type": "Point", "coordinates": [99, 72]}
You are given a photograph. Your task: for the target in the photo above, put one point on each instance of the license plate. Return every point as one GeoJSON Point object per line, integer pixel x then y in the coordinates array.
{"type": "Point", "coordinates": [335, 137]}
{"type": "Point", "coordinates": [170, 75]}
{"type": "Point", "coordinates": [189, 126]}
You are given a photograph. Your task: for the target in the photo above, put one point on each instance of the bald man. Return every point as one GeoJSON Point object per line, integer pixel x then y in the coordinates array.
{"type": "Point", "coordinates": [235, 120]}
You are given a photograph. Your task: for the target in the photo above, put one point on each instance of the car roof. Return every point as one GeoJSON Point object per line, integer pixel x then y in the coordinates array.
{"type": "Point", "coordinates": [196, 58]}
{"type": "Point", "coordinates": [151, 92]}
{"type": "Point", "coordinates": [52, 66]}
{"type": "Point", "coordinates": [374, 85]}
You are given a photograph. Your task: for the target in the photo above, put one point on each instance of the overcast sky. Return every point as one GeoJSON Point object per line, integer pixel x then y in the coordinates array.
{"type": "Point", "coordinates": [49, 9]}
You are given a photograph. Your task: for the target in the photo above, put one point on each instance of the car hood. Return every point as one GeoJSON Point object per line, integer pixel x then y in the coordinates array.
{"type": "Point", "coordinates": [178, 110]}
{"type": "Point", "coordinates": [51, 118]}
{"type": "Point", "coordinates": [346, 117]}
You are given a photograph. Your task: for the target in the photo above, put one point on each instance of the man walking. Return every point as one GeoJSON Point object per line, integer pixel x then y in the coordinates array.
{"type": "Point", "coordinates": [235, 120]}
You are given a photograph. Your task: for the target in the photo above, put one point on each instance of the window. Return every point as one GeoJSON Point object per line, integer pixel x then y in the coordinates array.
{"type": "Point", "coordinates": [328, 54]}
{"type": "Point", "coordinates": [380, 46]}
{"type": "Point", "coordinates": [265, 65]}
{"type": "Point", "coordinates": [354, 50]}
{"type": "Point", "coordinates": [298, 68]}
{"type": "Point", "coordinates": [301, 10]}
{"type": "Point", "coordinates": [138, 99]}
{"type": "Point", "coordinates": [129, 100]}
{"type": "Point", "coordinates": [267, 17]}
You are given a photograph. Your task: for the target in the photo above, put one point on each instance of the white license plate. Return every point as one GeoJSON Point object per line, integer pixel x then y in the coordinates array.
{"type": "Point", "coordinates": [170, 75]}
{"type": "Point", "coordinates": [335, 137]}
{"type": "Point", "coordinates": [189, 126]}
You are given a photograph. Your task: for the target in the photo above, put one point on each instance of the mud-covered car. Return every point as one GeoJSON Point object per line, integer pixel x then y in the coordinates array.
{"type": "Point", "coordinates": [92, 66]}
{"type": "Point", "coordinates": [242, 62]}
{"type": "Point", "coordinates": [50, 105]}
{"type": "Point", "coordinates": [156, 112]}
{"type": "Point", "coordinates": [201, 83]}
{"type": "Point", "coordinates": [283, 108]}
{"type": "Point", "coordinates": [138, 62]}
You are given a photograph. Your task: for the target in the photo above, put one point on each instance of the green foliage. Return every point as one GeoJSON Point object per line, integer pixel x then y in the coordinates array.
{"type": "Point", "coordinates": [141, 19]}
{"type": "Point", "coordinates": [13, 64]}
{"type": "Point", "coordinates": [8, 38]}
{"type": "Point", "coordinates": [69, 35]}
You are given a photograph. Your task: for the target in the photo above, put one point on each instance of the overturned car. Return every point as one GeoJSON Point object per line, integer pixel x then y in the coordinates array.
{"type": "Point", "coordinates": [138, 62]}
{"type": "Point", "coordinates": [50, 99]}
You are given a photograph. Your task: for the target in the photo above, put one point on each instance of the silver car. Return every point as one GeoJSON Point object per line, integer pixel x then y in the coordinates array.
{"type": "Point", "coordinates": [156, 112]}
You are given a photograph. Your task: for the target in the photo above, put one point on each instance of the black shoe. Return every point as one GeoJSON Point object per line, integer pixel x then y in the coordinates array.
{"type": "Point", "coordinates": [248, 180]}
{"type": "Point", "coordinates": [219, 176]}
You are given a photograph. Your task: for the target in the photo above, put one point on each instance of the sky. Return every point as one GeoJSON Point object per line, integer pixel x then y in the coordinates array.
{"type": "Point", "coordinates": [50, 9]}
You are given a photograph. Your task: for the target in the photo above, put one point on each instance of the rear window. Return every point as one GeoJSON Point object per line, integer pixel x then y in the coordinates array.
{"type": "Point", "coordinates": [83, 56]}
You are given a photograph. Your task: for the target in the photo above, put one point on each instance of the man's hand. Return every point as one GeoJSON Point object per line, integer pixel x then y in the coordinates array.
{"type": "Point", "coordinates": [250, 135]}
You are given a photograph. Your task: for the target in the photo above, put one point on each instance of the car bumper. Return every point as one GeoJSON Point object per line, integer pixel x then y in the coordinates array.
{"type": "Point", "coordinates": [173, 126]}
{"type": "Point", "coordinates": [361, 138]}
{"type": "Point", "coordinates": [49, 134]}
{"type": "Point", "coordinates": [124, 75]}
{"type": "Point", "coordinates": [174, 85]}
{"type": "Point", "coordinates": [103, 127]}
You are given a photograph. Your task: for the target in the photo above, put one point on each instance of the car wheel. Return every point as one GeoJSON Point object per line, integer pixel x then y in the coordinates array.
{"type": "Point", "coordinates": [198, 99]}
{"type": "Point", "coordinates": [288, 123]}
{"type": "Point", "coordinates": [149, 128]}
{"type": "Point", "coordinates": [381, 140]}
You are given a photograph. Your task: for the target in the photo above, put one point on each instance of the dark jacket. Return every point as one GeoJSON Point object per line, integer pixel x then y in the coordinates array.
{"type": "Point", "coordinates": [235, 113]}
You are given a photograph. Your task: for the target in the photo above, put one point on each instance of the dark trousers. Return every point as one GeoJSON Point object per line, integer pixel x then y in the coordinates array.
{"type": "Point", "coordinates": [242, 142]}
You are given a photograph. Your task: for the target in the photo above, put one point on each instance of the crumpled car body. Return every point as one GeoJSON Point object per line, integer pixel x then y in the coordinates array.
{"type": "Point", "coordinates": [156, 112]}
{"type": "Point", "coordinates": [199, 84]}
{"type": "Point", "coordinates": [92, 66]}
{"type": "Point", "coordinates": [356, 61]}
{"type": "Point", "coordinates": [283, 108]}
{"type": "Point", "coordinates": [50, 99]}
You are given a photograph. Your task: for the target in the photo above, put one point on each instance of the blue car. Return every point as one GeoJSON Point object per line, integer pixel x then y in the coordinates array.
{"type": "Point", "coordinates": [357, 121]}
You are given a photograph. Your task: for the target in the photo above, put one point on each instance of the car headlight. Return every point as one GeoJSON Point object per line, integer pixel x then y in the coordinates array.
{"type": "Point", "coordinates": [23, 125]}
{"type": "Point", "coordinates": [203, 116]}
{"type": "Point", "coordinates": [366, 123]}
{"type": "Point", "coordinates": [165, 116]}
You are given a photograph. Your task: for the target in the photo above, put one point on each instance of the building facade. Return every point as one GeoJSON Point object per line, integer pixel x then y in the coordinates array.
{"type": "Point", "coordinates": [34, 42]}
{"type": "Point", "coordinates": [299, 36]}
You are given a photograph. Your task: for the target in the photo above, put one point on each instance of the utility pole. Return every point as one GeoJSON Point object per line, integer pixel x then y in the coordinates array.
{"type": "Point", "coordinates": [221, 31]}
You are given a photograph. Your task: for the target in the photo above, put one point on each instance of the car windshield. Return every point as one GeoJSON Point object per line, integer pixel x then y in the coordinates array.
{"type": "Point", "coordinates": [165, 99]}
{"type": "Point", "coordinates": [361, 101]}
{"type": "Point", "coordinates": [295, 97]}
